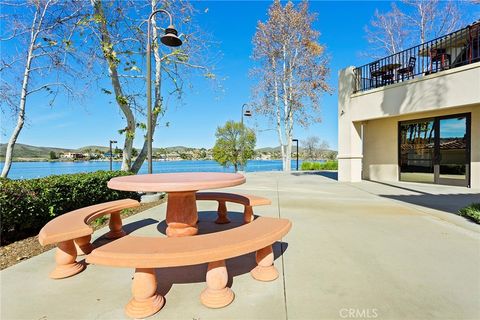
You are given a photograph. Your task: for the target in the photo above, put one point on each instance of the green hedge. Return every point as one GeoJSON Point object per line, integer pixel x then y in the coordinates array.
{"type": "Point", "coordinates": [329, 165]}
{"type": "Point", "coordinates": [27, 205]}
{"type": "Point", "coordinates": [471, 212]}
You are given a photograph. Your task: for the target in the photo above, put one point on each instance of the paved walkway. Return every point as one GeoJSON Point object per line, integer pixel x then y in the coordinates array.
{"type": "Point", "coordinates": [364, 250]}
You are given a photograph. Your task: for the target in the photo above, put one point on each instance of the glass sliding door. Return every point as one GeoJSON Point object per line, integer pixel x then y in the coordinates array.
{"type": "Point", "coordinates": [453, 156]}
{"type": "Point", "coordinates": [417, 140]}
{"type": "Point", "coordinates": [435, 150]}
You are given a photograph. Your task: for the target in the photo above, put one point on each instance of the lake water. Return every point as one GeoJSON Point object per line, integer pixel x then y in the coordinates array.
{"type": "Point", "coordinates": [28, 170]}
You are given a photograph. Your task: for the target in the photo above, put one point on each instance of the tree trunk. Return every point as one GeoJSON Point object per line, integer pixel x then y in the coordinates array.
{"type": "Point", "coordinates": [277, 111]}
{"type": "Point", "coordinates": [107, 48]}
{"type": "Point", "coordinates": [142, 155]}
{"type": "Point", "coordinates": [288, 144]}
{"type": "Point", "coordinates": [23, 95]}
{"type": "Point", "coordinates": [289, 136]}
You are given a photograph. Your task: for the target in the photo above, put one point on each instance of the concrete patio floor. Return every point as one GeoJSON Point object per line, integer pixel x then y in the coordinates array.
{"type": "Point", "coordinates": [360, 250]}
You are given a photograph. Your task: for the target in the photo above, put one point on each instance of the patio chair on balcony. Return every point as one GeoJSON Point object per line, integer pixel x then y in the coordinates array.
{"type": "Point", "coordinates": [439, 60]}
{"type": "Point", "coordinates": [375, 74]}
{"type": "Point", "coordinates": [408, 70]}
{"type": "Point", "coordinates": [388, 77]}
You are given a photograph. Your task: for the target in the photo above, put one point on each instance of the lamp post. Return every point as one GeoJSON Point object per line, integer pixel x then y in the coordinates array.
{"type": "Point", "coordinates": [296, 140]}
{"type": "Point", "coordinates": [246, 113]}
{"type": "Point", "coordinates": [111, 155]}
{"type": "Point", "coordinates": [170, 39]}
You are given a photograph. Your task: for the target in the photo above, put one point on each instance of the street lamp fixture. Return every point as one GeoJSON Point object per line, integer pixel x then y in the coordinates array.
{"type": "Point", "coordinates": [111, 153]}
{"type": "Point", "coordinates": [296, 140]}
{"type": "Point", "coordinates": [245, 113]}
{"type": "Point", "coordinates": [170, 39]}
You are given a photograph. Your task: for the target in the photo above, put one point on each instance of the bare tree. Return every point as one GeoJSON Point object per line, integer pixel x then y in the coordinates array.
{"type": "Point", "coordinates": [387, 33]}
{"type": "Point", "coordinates": [323, 150]}
{"type": "Point", "coordinates": [431, 18]}
{"type": "Point", "coordinates": [121, 35]}
{"type": "Point", "coordinates": [39, 56]}
{"type": "Point", "coordinates": [411, 22]}
{"type": "Point", "coordinates": [292, 71]}
{"type": "Point", "coordinates": [314, 148]}
{"type": "Point", "coordinates": [310, 147]}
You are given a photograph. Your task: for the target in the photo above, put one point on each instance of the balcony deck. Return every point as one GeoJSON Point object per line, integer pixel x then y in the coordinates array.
{"type": "Point", "coordinates": [453, 50]}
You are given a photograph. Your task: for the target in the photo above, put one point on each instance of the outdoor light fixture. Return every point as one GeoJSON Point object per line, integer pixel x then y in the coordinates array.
{"type": "Point", "coordinates": [111, 155]}
{"type": "Point", "coordinates": [170, 39]}
{"type": "Point", "coordinates": [296, 140]}
{"type": "Point", "coordinates": [246, 113]}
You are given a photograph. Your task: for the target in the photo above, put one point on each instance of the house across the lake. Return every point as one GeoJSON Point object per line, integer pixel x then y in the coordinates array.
{"type": "Point", "coordinates": [72, 155]}
{"type": "Point", "coordinates": [415, 115]}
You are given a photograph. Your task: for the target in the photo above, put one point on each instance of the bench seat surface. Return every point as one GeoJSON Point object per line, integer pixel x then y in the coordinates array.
{"type": "Point", "coordinates": [74, 224]}
{"type": "Point", "coordinates": [244, 199]}
{"type": "Point", "coordinates": [150, 252]}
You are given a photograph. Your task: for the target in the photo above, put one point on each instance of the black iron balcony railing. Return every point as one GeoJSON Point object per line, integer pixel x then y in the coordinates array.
{"type": "Point", "coordinates": [453, 50]}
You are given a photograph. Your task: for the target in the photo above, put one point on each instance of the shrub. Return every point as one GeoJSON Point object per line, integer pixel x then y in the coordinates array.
{"type": "Point", "coordinates": [329, 165]}
{"type": "Point", "coordinates": [471, 212]}
{"type": "Point", "coordinates": [27, 205]}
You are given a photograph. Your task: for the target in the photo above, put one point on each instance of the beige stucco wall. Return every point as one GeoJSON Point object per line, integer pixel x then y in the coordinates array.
{"type": "Point", "coordinates": [446, 89]}
{"type": "Point", "coordinates": [380, 151]}
{"type": "Point", "coordinates": [378, 111]}
{"type": "Point", "coordinates": [349, 135]}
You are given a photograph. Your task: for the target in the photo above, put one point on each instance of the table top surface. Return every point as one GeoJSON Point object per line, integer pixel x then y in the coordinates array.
{"type": "Point", "coordinates": [176, 182]}
{"type": "Point", "coordinates": [390, 66]}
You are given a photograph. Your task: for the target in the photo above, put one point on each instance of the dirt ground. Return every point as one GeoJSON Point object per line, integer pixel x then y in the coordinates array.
{"type": "Point", "coordinates": [18, 251]}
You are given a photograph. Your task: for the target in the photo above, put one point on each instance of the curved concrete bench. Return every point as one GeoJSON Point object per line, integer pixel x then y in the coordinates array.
{"type": "Point", "coordinates": [248, 201]}
{"type": "Point", "coordinates": [146, 253]}
{"type": "Point", "coordinates": [72, 234]}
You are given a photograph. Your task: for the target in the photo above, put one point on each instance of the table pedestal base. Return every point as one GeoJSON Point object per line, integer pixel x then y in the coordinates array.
{"type": "Point", "coordinates": [182, 215]}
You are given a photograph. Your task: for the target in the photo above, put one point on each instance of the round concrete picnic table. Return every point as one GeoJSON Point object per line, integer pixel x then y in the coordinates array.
{"type": "Point", "coordinates": [182, 215]}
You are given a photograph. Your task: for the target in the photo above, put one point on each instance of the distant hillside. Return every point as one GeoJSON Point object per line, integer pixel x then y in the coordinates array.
{"type": "Point", "coordinates": [34, 152]}
{"type": "Point", "coordinates": [27, 151]}
{"type": "Point", "coordinates": [93, 148]}
{"type": "Point", "coordinates": [277, 149]}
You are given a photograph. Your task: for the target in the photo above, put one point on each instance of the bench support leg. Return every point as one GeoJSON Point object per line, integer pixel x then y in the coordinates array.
{"type": "Point", "coordinates": [83, 245]}
{"type": "Point", "coordinates": [145, 301]}
{"type": "Point", "coordinates": [248, 214]}
{"type": "Point", "coordinates": [222, 213]}
{"type": "Point", "coordinates": [217, 294]}
{"type": "Point", "coordinates": [265, 270]}
{"type": "Point", "coordinates": [115, 224]}
{"type": "Point", "coordinates": [182, 215]}
{"type": "Point", "coordinates": [65, 258]}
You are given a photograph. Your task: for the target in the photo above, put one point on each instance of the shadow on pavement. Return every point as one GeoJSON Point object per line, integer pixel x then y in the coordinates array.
{"type": "Point", "coordinates": [167, 277]}
{"type": "Point", "coordinates": [327, 174]}
{"type": "Point", "coordinates": [128, 228]}
{"type": "Point", "coordinates": [444, 202]}
{"type": "Point", "coordinates": [449, 202]}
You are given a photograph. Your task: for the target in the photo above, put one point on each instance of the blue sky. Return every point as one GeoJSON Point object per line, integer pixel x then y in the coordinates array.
{"type": "Point", "coordinates": [232, 24]}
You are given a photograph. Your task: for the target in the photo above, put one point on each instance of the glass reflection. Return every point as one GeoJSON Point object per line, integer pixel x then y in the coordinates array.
{"type": "Point", "coordinates": [452, 148]}
{"type": "Point", "coordinates": [417, 141]}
